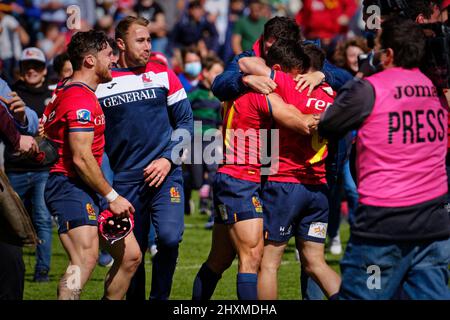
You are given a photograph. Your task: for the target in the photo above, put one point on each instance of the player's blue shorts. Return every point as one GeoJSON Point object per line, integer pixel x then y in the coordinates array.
{"type": "Point", "coordinates": [163, 206]}
{"type": "Point", "coordinates": [293, 209]}
{"type": "Point", "coordinates": [72, 202]}
{"type": "Point", "coordinates": [235, 199]}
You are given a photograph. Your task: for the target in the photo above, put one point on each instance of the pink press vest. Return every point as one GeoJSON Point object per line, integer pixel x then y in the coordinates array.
{"type": "Point", "coordinates": [401, 146]}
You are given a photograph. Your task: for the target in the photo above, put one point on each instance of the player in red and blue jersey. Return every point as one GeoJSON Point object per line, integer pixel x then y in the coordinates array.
{"type": "Point", "coordinates": [238, 227]}
{"type": "Point", "coordinates": [145, 106]}
{"type": "Point", "coordinates": [75, 122]}
{"type": "Point", "coordinates": [295, 197]}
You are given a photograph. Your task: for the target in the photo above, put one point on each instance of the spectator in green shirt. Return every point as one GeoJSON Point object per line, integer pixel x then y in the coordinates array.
{"type": "Point", "coordinates": [248, 28]}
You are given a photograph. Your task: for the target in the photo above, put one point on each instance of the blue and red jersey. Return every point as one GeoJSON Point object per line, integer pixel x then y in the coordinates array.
{"type": "Point", "coordinates": [143, 106]}
{"type": "Point", "coordinates": [73, 108]}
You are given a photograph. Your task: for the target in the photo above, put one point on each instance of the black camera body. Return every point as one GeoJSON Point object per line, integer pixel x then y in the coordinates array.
{"type": "Point", "coordinates": [436, 62]}
{"type": "Point", "coordinates": [387, 7]}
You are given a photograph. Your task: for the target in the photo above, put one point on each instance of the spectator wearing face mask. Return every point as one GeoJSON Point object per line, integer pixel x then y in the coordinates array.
{"type": "Point", "coordinates": [192, 67]}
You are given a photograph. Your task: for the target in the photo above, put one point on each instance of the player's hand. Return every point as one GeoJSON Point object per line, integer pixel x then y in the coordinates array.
{"type": "Point", "coordinates": [121, 207]}
{"type": "Point", "coordinates": [261, 84]}
{"type": "Point", "coordinates": [16, 105]}
{"type": "Point", "coordinates": [311, 122]}
{"type": "Point", "coordinates": [157, 171]}
{"type": "Point", "coordinates": [41, 130]}
{"type": "Point", "coordinates": [310, 80]}
{"type": "Point", "coordinates": [28, 146]}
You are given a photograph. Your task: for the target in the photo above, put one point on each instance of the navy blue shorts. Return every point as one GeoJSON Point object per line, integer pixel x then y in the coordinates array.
{"type": "Point", "coordinates": [235, 199]}
{"type": "Point", "coordinates": [72, 202]}
{"type": "Point", "coordinates": [293, 209]}
{"type": "Point", "coordinates": [163, 206]}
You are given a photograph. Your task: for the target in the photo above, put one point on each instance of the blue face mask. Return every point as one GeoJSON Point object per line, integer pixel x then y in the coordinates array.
{"type": "Point", "coordinates": [193, 69]}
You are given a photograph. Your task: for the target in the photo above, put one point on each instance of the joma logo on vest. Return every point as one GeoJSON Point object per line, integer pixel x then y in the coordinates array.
{"type": "Point", "coordinates": [129, 97]}
{"type": "Point", "coordinates": [417, 126]}
{"type": "Point", "coordinates": [415, 91]}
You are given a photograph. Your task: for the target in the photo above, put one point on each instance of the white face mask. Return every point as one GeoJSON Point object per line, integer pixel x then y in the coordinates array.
{"type": "Point", "coordinates": [193, 68]}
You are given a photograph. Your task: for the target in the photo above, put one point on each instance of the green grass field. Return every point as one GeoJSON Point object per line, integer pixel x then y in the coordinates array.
{"type": "Point", "coordinates": [193, 252]}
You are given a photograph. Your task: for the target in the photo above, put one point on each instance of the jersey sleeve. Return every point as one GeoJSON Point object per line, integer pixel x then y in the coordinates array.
{"type": "Point", "coordinates": [79, 113]}
{"type": "Point", "coordinates": [176, 92]}
{"type": "Point", "coordinates": [261, 104]}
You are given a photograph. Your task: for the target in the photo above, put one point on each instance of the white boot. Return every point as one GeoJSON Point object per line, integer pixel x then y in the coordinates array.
{"type": "Point", "coordinates": [336, 247]}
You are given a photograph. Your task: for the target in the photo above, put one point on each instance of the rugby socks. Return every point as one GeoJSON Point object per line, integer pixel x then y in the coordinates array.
{"type": "Point", "coordinates": [205, 283]}
{"type": "Point", "coordinates": [164, 264]}
{"type": "Point", "coordinates": [247, 286]}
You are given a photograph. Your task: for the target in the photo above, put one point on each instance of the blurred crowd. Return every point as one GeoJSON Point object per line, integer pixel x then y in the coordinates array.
{"type": "Point", "coordinates": [220, 27]}
{"type": "Point", "coordinates": [196, 38]}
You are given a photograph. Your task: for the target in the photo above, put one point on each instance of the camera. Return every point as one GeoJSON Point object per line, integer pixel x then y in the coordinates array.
{"type": "Point", "coordinates": [388, 7]}
{"type": "Point", "coordinates": [436, 63]}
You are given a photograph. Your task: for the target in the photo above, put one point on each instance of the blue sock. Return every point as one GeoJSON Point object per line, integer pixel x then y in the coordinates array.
{"type": "Point", "coordinates": [247, 286]}
{"type": "Point", "coordinates": [205, 283]}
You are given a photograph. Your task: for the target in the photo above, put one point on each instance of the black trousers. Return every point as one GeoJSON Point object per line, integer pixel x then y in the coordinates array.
{"type": "Point", "coordinates": [12, 272]}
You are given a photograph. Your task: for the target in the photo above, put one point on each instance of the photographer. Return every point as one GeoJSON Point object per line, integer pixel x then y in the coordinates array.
{"type": "Point", "coordinates": [436, 61]}
{"type": "Point", "coordinates": [401, 226]}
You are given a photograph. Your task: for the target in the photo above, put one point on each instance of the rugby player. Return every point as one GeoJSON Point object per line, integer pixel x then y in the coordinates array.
{"type": "Point", "coordinates": [238, 227]}
{"type": "Point", "coordinates": [144, 104]}
{"type": "Point", "coordinates": [296, 197]}
{"type": "Point", "coordinates": [75, 121]}
{"type": "Point", "coordinates": [232, 83]}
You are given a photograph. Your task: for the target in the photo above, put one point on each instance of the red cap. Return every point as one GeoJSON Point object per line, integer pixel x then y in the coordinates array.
{"type": "Point", "coordinates": [445, 4]}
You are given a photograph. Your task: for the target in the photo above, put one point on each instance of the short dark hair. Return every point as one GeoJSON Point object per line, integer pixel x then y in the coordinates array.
{"type": "Point", "coordinates": [59, 61]}
{"type": "Point", "coordinates": [416, 7]}
{"type": "Point", "coordinates": [125, 24]}
{"type": "Point", "coordinates": [288, 54]}
{"type": "Point", "coordinates": [114, 47]}
{"type": "Point", "coordinates": [84, 43]}
{"type": "Point", "coordinates": [408, 9]}
{"type": "Point", "coordinates": [282, 28]}
{"type": "Point", "coordinates": [316, 56]}
{"type": "Point", "coordinates": [195, 4]}
{"type": "Point", "coordinates": [209, 61]}
{"type": "Point", "coordinates": [388, 8]}
{"type": "Point", "coordinates": [406, 39]}
{"type": "Point", "coordinates": [189, 49]}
